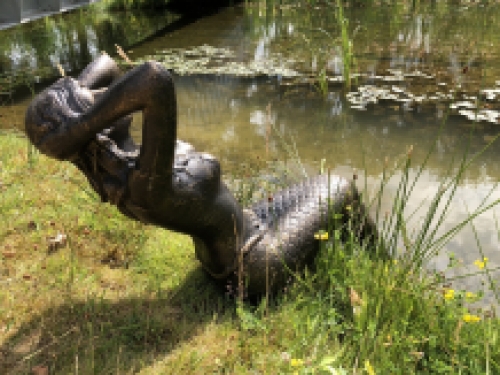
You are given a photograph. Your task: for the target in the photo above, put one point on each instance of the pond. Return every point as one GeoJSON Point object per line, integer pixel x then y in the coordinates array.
{"type": "Point", "coordinates": [250, 96]}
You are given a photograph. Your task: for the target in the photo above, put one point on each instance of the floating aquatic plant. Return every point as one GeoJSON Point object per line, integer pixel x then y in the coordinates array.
{"type": "Point", "coordinates": [377, 88]}
{"type": "Point", "coordinates": [460, 103]}
{"type": "Point", "coordinates": [208, 60]}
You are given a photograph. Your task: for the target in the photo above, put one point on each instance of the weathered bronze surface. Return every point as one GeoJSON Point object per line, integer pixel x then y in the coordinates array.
{"type": "Point", "coordinates": [165, 182]}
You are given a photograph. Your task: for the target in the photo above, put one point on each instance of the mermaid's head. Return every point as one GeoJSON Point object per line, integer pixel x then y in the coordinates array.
{"type": "Point", "coordinates": [52, 109]}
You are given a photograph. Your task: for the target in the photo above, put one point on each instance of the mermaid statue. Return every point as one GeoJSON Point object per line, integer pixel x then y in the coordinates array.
{"type": "Point", "coordinates": [167, 183]}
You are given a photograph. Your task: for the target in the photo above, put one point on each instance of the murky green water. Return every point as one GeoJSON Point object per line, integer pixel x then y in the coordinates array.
{"type": "Point", "coordinates": [239, 119]}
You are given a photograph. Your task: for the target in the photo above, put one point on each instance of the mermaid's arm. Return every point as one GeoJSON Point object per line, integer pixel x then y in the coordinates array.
{"type": "Point", "coordinates": [147, 88]}
{"type": "Point", "coordinates": [99, 73]}
{"type": "Point", "coordinates": [97, 76]}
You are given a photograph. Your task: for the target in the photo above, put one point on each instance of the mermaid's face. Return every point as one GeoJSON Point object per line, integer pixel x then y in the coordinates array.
{"type": "Point", "coordinates": [58, 106]}
{"type": "Point", "coordinates": [83, 94]}
{"type": "Point", "coordinates": [79, 98]}
{"type": "Point", "coordinates": [62, 102]}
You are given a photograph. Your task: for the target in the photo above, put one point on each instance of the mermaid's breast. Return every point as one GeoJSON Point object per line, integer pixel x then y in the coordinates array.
{"type": "Point", "coordinates": [194, 171]}
{"type": "Point", "coordinates": [107, 167]}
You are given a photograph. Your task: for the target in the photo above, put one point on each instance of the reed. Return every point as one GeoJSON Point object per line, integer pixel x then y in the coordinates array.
{"type": "Point", "coordinates": [348, 60]}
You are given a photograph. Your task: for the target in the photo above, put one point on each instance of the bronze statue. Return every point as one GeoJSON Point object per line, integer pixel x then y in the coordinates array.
{"type": "Point", "coordinates": [165, 182]}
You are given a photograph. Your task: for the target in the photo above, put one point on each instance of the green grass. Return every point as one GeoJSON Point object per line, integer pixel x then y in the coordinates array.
{"type": "Point", "coordinates": [121, 297]}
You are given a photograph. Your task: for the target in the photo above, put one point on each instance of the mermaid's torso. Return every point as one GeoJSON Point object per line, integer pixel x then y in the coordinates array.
{"type": "Point", "coordinates": [108, 167]}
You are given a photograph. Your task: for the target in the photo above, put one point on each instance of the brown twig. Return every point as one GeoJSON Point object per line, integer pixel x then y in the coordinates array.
{"type": "Point", "coordinates": [123, 55]}
{"type": "Point", "coordinates": [61, 70]}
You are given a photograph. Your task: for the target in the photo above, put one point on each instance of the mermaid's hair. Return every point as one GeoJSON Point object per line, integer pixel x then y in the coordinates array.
{"type": "Point", "coordinates": [52, 110]}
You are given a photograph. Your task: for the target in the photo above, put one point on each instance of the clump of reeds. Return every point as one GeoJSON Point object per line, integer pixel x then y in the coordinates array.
{"type": "Point", "coordinates": [346, 43]}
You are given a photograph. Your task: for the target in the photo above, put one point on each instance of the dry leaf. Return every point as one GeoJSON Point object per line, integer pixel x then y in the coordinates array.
{"type": "Point", "coordinates": [8, 254]}
{"type": "Point", "coordinates": [61, 70]}
{"type": "Point", "coordinates": [418, 355]}
{"type": "Point", "coordinates": [57, 242]}
{"type": "Point", "coordinates": [355, 298]}
{"type": "Point", "coordinates": [40, 370]}
{"type": "Point", "coordinates": [32, 225]}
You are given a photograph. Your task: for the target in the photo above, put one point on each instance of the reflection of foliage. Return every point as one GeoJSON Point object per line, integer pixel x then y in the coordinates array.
{"type": "Point", "coordinates": [429, 36]}
{"type": "Point", "coordinates": [156, 4]}
{"type": "Point", "coordinates": [30, 51]}
{"type": "Point", "coordinates": [21, 78]}
{"type": "Point", "coordinates": [135, 4]}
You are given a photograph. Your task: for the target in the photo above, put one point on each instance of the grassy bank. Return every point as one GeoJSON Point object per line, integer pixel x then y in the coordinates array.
{"type": "Point", "coordinates": [114, 296]}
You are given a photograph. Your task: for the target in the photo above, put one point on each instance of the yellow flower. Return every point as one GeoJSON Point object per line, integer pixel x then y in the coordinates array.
{"type": "Point", "coordinates": [449, 294]}
{"type": "Point", "coordinates": [321, 235]}
{"type": "Point", "coordinates": [470, 295]}
{"type": "Point", "coordinates": [368, 368]}
{"type": "Point", "coordinates": [294, 362]}
{"type": "Point", "coordinates": [469, 318]}
{"type": "Point", "coordinates": [481, 263]}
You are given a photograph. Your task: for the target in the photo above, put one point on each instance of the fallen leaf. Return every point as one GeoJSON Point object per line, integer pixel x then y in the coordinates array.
{"type": "Point", "coordinates": [355, 298]}
{"type": "Point", "coordinates": [40, 370]}
{"type": "Point", "coordinates": [418, 355]}
{"type": "Point", "coordinates": [57, 242]}
{"type": "Point", "coordinates": [60, 69]}
{"type": "Point", "coordinates": [8, 254]}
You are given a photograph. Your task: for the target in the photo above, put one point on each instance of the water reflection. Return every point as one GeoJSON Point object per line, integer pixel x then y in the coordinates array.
{"type": "Point", "coordinates": [208, 106]}
{"type": "Point", "coordinates": [72, 40]}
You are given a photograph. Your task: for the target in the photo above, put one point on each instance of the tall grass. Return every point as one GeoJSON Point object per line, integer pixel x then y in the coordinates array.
{"type": "Point", "coordinates": [348, 60]}
{"type": "Point", "coordinates": [346, 47]}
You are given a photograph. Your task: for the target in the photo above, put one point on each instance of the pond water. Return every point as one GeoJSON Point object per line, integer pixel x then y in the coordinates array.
{"type": "Point", "coordinates": [445, 52]}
